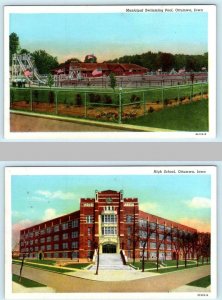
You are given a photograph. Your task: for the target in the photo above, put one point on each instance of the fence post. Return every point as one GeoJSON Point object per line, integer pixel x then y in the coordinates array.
{"type": "Point", "coordinates": [178, 94]}
{"type": "Point", "coordinates": [85, 105]}
{"type": "Point", "coordinates": [56, 102]}
{"type": "Point", "coordinates": [120, 107]}
{"type": "Point", "coordinates": [31, 108]}
{"type": "Point", "coordinates": [144, 104]}
{"type": "Point", "coordinates": [162, 95]}
{"type": "Point", "coordinates": [201, 90]}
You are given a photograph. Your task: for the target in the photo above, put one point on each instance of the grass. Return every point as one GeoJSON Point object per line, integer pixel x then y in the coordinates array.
{"type": "Point", "coordinates": [148, 265]}
{"type": "Point", "coordinates": [44, 267]}
{"type": "Point", "coordinates": [167, 270]}
{"type": "Point", "coordinates": [77, 266]}
{"type": "Point", "coordinates": [44, 262]}
{"type": "Point", "coordinates": [187, 117]}
{"type": "Point", "coordinates": [69, 95]}
{"type": "Point", "coordinates": [170, 263]}
{"type": "Point", "coordinates": [202, 282]}
{"type": "Point", "coordinates": [26, 282]}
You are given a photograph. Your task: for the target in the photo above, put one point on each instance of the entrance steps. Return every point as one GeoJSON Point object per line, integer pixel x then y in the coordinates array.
{"type": "Point", "coordinates": [108, 261]}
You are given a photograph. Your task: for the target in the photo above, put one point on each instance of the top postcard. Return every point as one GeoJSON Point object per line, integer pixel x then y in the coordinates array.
{"type": "Point", "coordinates": [110, 72]}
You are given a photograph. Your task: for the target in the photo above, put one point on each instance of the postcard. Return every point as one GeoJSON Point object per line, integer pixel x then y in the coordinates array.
{"type": "Point", "coordinates": [110, 72]}
{"type": "Point", "coordinates": [110, 232]}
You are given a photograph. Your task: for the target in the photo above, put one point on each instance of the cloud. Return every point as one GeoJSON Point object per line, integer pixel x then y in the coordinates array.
{"type": "Point", "coordinates": [149, 207]}
{"type": "Point", "coordinates": [19, 226]}
{"type": "Point", "coordinates": [198, 224]}
{"type": "Point", "coordinates": [49, 213]}
{"type": "Point", "coordinates": [199, 202]}
{"type": "Point", "coordinates": [56, 195]}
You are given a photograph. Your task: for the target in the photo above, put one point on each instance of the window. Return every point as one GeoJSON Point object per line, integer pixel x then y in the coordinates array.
{"type": "Point", "coordinates": [42, 247]}
{"type": "Point", "coordinates": [161, 236]}
{"type": "Point", "coordinates": [108, 218]}
{"type": "Point", "coordinates": [143, 234]}
{"type": "Point", "coordinates": [129, 230]}
{"type": "Point", "coordinates": [36, 233]}
{"type": "Point", "coordinates": [36, 248]}
{"type": "Point", "coordinates": [162, 247]}
{"type": "Point", "coordinates": [153, 225]}
{"type": "Point", "coordinates": [89, 219]}
{"type": "Point", "coordinates": [74, 245]}
{"type": "Point", "coordinates": [42, 231]}
{"type": "Point", "coordinates": [153, 235]}
{"type": "Point", "coordinates": [22, 244]}
{"type": "Point", "coordinates": [75, 234]}
{"type": "Point", "coordinates": [109, 231]}
{"type": "Point", "coordinates": [56, 254]}
{"type": "Point", "coordinates": [168, 238]}
{"type": "Point", "coordinates": [74, 223]}
{"type": "Point", "coordinates": [49, 239]}
{"type": "Point", "coordinates": [56, 238]}
{"type": "Point", "coordinates": [65, 255]}
{"type": "Point", "coordinates": [64, 245]}
{"type": "Point", "coordinates": [143, 223]}
{"type": "Point", "coordinates": [142, 244]}
{"type": "Point", "coordinates": [168, 247]}
{"type": "Point", "coordinates": [65, 226]}
{"type": "Point", "coordinates": [31, 242]}
{"type": "Point", "coordinates": [48, 247]}
{"type": "Point", "coordinates": [56, 246]}
{"type": "Point", "coordinates": [128, 243]}
{"type": "Point", "coordinates": [42, 240]}
{"type": "Point", "coordinates": [48, 254]}
{"type": "Point", "coordinates": [89, 230]}
{"type": "Point", "coordinates": [153, 254]}
{"type": "Point", "coordinates": [109, 208]}
{"type": "Point", "coordinates": [89, 243]}
{"type": "Point", "coordinates": [48, 230]}
{"type": "Point", "coordinates": [36, 241]}
{"type": "Point", "coordinates": [65, 236]}
{"type": "Point", "coordinates": [152, 245]}
{"type": "Point", "coordinates": [129, 219]}
{"type": "Point", "coordinates": [169, 255]}
{"type": "Point", "coordinates": [74, 254]}
{"type": "Point", "coordinates": [161, 227]}
{"type": "Point", "coordinates": [56, 228]}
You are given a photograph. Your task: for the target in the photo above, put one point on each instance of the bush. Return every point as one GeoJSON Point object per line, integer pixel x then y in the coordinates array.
{"type": "Point", "coordinates": [107, 99]}
{"type": "Point", "coordinates": [151, 109]}
{"type": "Point", "coordinates": [36, 95]}
{"type": "Point", "coordinates": [134, 98]}
{"type": "Point", "coordinates": [166, 102]}
{"type": "Point", "coordinates": [51, 97]}
{"type": "Point", "coordinates": [78, 100]}
{"type": "Point", "coordinates": [91, 98]}
{"type": "Point", "coordinates": [12, 96]}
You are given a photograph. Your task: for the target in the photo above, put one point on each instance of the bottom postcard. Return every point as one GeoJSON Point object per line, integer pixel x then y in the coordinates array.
{"type": "Point", "coordinates": [95, 232]}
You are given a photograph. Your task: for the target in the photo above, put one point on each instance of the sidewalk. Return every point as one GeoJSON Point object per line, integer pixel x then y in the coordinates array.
{"type": "Point", "coordinates": [18, 288]}
{"type": "Point", "coordinates": [112, 275]}
{"type": "Point", "coordinates": [191, 289]}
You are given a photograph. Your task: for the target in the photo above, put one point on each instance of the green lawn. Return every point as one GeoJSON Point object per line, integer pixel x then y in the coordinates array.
{"type": "Point", "coordinates": [148, 265]}
{"type": "Point", "coordinates": [70, 96]}
{"type": "Point", "coordinates": [77, 266]}
{"type": "Point", "coordinates": [44, 267]}
{"type": "Point", "coordinates": [26, 282]}
{"type": "Point", "coordinates": [202, 282]}
{"type": "Point", "coordinates": [187, 117]}
{"type": "Point", "coordinates": [166, 270]}
{"type": "Point", "coordinates": [181, 262]}
{"type": "Point", "coordinates": [44, 262]}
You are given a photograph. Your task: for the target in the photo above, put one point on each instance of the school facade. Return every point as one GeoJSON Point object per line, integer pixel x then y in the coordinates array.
{"type": "Point", "coordinates": [110, 222]}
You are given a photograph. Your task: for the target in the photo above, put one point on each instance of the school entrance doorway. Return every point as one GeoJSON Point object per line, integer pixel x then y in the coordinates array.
{"type": "Point", "coordinates": [109, 248]}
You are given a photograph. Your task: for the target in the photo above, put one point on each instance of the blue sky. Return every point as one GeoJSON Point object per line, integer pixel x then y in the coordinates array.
{"type": "Point", "coordinates": [185, 199]}
{"type": "Point", "coordinates": [110, 35]}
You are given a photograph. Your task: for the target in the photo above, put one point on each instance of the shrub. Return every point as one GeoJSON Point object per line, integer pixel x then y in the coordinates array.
{"type": "Point", "coordinates": [36, 95]}
{"type": "Point", "coordinates": [12, 96]}
{"type": "Point", "coordinates": [151, 109]}
{"type": "Point", "coordinates": [78, 100]}
{"type": "Point", "coordinates": [91, 97]}
{"type": "Point", "coordinates": [166, 102]}
{"type": "Point", "coordinates": [134, 98]}
{"type": "Point", "coordinates": [157, 101]}
{"type": "Point", "coordinates": [107, 99]}
{"type": "Point", "coordinates": [51, 97]}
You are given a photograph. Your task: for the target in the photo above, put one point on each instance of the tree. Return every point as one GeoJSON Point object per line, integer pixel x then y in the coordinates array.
{"type": "Point", "coordinates": [44, 62]}
{"type": "Point", "coordinates": [90, 58]}
{"type": "Point", "coordinates": [50, 80]}
{"type": "Point", "coordinates": [144, 238]}
{"type": "Point", "coordinates": [74, 59]}
{"type": "Point", "coordinates": [24, 51]}
{"type": "Point", "coordinates": [112, 81]}
{"type": "Point", "coordinates": [159, 242]}
{"type": "Point", "coordinates": [13, 45]}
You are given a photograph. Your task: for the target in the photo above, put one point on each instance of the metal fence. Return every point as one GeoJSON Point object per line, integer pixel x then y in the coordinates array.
{"type": "Point", "coordinates": [113, 106]}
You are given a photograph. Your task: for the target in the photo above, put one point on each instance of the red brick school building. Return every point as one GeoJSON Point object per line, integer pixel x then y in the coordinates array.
{"type": "Point", "coordinates": [110, 222]}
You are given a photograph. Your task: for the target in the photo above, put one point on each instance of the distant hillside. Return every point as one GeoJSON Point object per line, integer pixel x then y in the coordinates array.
{"type": "Point", "coordinates": [166, 61]}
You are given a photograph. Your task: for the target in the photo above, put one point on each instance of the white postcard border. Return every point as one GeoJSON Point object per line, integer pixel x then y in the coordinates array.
{"type": "Point", "coordinates": [112, 136]}
{"type": "Point", "coordinates": [146, 170]}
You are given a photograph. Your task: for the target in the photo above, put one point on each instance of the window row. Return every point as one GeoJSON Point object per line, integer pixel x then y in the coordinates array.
{"type": "Point", "coordinates": [109, 219]}
{"type": "Point", "coordinates": [109, 230]}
